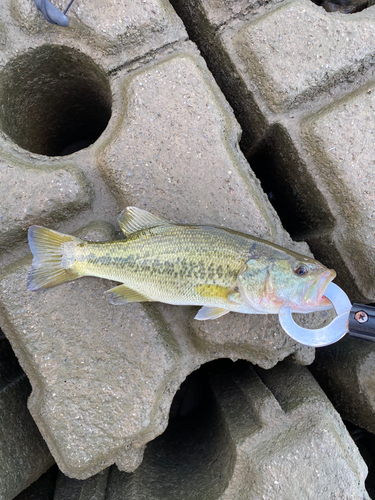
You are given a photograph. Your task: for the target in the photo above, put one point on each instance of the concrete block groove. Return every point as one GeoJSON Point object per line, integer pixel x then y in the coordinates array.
{"type": "Point", "coordinates": [24, 455]}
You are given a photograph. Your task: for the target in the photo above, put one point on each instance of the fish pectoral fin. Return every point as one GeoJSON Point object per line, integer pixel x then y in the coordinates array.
{"type": "Point", "coordinates": [124, 295]}
{"type": "Point", "coordinates": [210, 312]}
{"type": "Point", "coordinates": [134, 219]}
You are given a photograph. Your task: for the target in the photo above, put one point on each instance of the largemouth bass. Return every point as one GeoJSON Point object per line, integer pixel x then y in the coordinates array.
{"type": "Point", "coordinates": [220, 269]}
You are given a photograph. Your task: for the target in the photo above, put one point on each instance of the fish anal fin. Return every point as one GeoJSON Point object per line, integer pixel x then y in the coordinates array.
{"type": "Point", "coordinates": [124, 295]}
{"type": "Point", "coordinates": [134, 219]}
{"type": "Point", "coordinates": [210, 312]}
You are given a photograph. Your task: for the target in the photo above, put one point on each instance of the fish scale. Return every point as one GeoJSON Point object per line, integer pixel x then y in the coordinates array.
{"type": "Point", "coordinates": [217, 268]}
{"type": "Point", "coordinates": [164, 261]}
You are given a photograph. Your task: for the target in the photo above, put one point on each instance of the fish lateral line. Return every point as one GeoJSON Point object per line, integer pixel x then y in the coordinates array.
{"type": "Point", "coordinates": [217, 268]}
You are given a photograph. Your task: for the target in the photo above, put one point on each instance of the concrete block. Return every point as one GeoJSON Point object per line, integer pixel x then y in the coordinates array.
{"type": "Point", "coordinates": [302, 95]}
{"type": "Point", "coordinates": [298, 50]}
{"type": "Point", "coordinates": [260, 434]}
{"type": "Point", "coordinates": [173, 150]}
{"type": "Point", "coordinates": [346, 373]}
{"type": "Point", "coordinates": [34, 195]}
{"type": "Point", "coordinates": [258, 339]}
{"type": "Point", "coordinates": [24, 455]}
{"type": "Point", "coordinates": [98, 372]}
{"type": "Point", "coordinates": [115, 32]}
{"type": "Point", "coordinates": [43, 488]}
{"type": "Point", "coordinates": [93, 488]}
{"type": "Point", "coordinates": [131, 27]}
{"type": "Point", "coordinates": [53, 485]}
{"type": "Point", "coordinates": [306, 440]}
{"type": "Point", "coordinates": [104, 376]}
{"type": "Point", "coordinates": [340, 140]}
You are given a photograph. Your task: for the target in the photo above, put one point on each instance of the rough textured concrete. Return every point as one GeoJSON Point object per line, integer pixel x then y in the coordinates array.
{"type": "Point", "coordinates": [144, 123]}
{"type": "Point", "coordinates": [43, 488]}
{"type": "Point", "coordinates": [170, 135]}
{"type": "Point", "coordinates": [346, 373]}
{"type": "Point", "coordinates": [298, 49]}
{"type": "Point", "coordinates": [340, 139]}
{"type": "Point", "coordinates": [282, 67]}
{"type": "Point", "coordinates": [104, 376]}
{"type": "Point", "coordinates": [98, 372]}
{"type": "Point", "coordinates": [113, 31]}
{"type": "Point", "coordinates": [219, 12]}
{"type": "Point", "coordinates": [275, 427]}
{"type": "Point", "coordinates": [24, 455]}
{"type": "Point", "coordinates": [173, 151]}
{"type": "Point", "coordinates": [255, 338]}
{"type": "Point", "coordinates": [312, 443]}
{"type": "Point", "coordinates": [93, 488]}
{"type": "Point", "coordinates": [38, 195]}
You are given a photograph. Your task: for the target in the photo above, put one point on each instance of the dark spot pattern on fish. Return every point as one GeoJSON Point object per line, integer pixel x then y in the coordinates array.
{"type": "Point", "coordinates": [219, 271]}
{"type": "Point", "coordinates": [230, 273]}
{"type": "Point", "coordinates": [211, 272]}
{"type": "Point", "coordinates": [173, 268]}
{"type": "Point", "coordinates": [92, 258]}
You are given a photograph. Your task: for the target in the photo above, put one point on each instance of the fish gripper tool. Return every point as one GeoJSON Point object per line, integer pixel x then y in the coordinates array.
{"type": "Point", "coordinates": [357, 320]}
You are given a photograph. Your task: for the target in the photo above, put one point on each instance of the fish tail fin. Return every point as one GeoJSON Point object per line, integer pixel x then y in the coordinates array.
{"type": "Point", "coordinates": [53, 261]}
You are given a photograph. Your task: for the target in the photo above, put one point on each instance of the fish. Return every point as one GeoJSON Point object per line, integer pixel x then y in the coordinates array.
{"type": "Point", "coordinates": [219, 269]}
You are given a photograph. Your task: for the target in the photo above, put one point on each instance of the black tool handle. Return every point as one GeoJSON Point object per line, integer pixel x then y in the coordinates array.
{"type": "Point", "coordinates": [362, 322]}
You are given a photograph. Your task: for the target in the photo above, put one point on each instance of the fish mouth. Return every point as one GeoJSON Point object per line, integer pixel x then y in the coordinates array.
{"type": "Point", "coordinates": [315, 297]}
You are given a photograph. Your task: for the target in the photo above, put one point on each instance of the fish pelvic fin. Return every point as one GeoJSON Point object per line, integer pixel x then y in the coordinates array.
{"type": "Point", "coordinates": [134, 219]}
{"type": "Point", "coordinates": [53, 258]}
{"type": "Point", "coordinates": [124, 295]}
{"type": "Point", "coordinates": [210, 312]}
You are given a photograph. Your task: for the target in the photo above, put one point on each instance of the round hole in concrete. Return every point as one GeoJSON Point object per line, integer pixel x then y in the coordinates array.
{"type": "Point", "coordinates": [194, 458]}
{"type": "Point", "coordinates": [54, 100]}
{"type": "Point", "coordinates": [343, 6]}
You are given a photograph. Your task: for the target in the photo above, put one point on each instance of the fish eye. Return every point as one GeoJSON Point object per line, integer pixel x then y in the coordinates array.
{"type": "Point", "coordinates": [301, 270]}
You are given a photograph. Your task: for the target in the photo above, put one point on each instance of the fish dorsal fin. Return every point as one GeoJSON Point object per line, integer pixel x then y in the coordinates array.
{"type": "Point", "coordinates": [134, 219]}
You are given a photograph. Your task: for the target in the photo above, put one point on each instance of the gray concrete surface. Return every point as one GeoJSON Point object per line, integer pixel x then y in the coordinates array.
{"type": "Point", "coordinates": [24, 455]}
{"type": "Point", "coordinates": [240, 432]}
{"type": "Point", "coordinates": [93, 488]}
{"type": "Point", "coordinates": [298, 50]}
{"type": "Point", "coordinates": [123, 83]}
{"type": "Point", "coordinates": [340, 139]}
{"type": "Point", "coordinates": [346, 373]}
{"type": "Point", "coordinates": [104, 376]}
{"type": "Point", "coordinates": [43, 488]}
{"type": "Point", "coordinates": [267, 434]}
{"type": "Point", "coordinates": [283, 66]}
{"type": "Point", "coordinates": [32, 195]}
{"type": "Point", "coordinates": [115, 32]}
